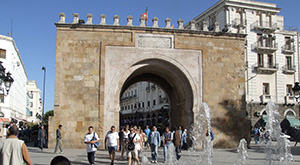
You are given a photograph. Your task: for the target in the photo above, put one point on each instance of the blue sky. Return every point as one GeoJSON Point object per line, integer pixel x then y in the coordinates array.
{"type": "Point", "coordinates": [35, 33]}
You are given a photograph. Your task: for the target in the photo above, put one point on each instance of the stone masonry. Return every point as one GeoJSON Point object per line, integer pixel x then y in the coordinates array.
{"type": "Point", "coordinates": [95, 62]}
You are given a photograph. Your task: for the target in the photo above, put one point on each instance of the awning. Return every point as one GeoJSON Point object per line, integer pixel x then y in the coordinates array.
{"type": "Point", "coordinates": [4, 120]}
{"type": "Point", "coordinates": [294, 122]}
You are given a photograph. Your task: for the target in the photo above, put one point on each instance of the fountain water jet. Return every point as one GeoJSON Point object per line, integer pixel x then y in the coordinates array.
{"type": "Point", "coordinates": [242, 152]}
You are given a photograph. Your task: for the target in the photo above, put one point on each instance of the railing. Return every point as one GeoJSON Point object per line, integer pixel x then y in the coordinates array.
{"type": "Point", "coordinates": [265, 46]}
{"type": "Point", "coordinates": [264, 25]}
{"type": "Point", "coordinates": [290, 28]}
{"type": "Point", "coordinates": [289, 69]}
{"type": "Point", "coordinates": [269, 68]}
{"type": "Point", "coordinates": [238, 22]}
{"type": "Point", "coordinates": [288, 48]}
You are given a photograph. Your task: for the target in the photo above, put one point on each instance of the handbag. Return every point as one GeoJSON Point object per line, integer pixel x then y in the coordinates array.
{"type": "Point", "coordinates": [97, 144]}
{"type": "Point", "coordinates": [131, 145]}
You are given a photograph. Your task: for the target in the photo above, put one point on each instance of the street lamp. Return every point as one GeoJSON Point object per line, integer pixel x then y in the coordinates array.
{"type": "Point", "coordinates": [44, 69]}
{"type": "Point", "coordinates": [8, 80]}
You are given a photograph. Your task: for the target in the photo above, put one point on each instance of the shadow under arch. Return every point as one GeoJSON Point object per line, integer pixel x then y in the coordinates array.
{"type": "Point", "coordinates": [173, 81]}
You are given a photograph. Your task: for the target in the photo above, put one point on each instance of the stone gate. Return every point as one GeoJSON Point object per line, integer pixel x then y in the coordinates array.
{"type": "Point", "coordinates": [95, 63]}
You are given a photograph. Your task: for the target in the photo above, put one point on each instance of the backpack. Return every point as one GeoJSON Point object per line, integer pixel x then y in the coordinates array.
{"type": "Point", "coordinates": [131, 145]}
{"type": "Point", "coordinates": [97, 144]}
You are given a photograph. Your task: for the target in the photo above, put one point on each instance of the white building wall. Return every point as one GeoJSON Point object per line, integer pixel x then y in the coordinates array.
{"type": "Point", "coordinates": [14, 105]}
{"type": "Point", "coordinates": [35, 104]}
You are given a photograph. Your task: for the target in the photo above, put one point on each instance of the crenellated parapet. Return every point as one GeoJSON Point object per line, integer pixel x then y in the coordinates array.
{"type": "Point", "coordinates": [116, 19]}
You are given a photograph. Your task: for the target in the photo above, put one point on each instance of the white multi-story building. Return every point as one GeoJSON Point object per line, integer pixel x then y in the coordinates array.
{"type": "Point", "coordinates": [13, 106]}
{"type": "Point", "coordinates": [144, 103]}
{"type": "Point", "coordinates": [271, 51]}
{"type": "Point", "coordinates": [34, 103]}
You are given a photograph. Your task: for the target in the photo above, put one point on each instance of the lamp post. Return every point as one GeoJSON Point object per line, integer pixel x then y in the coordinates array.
{"type": "Point", "coordinates": [8, 80]}
{"type": "Point", "coordinates": [44, 69]}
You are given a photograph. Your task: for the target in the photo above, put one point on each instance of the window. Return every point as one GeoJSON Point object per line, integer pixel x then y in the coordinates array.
{"type": "Point", "coordinates": [288, 43]}
{"type": "Point", "coordinates": [148, 103]}
{"type": "Point", "coordinates": [1, 98]}
{"type": "Point", "coordinates": [153, 102]}
{"type": "Point", "coordinates": [289, 89]}
{"type": "Point", "coordinates": [270, 61]}
{"type": "Point", "coordinates": [289, 65]}
{"type": "Point", "coordinates": [143, 105]}
{"type": "Point", "coordinates": [266, 89]}
{"type": "Point", "coordinates": [2, 53]}
{"type": "Point", "coordinates": [131, 106]}
{"type": "Point", "coordinates": [259, 40]}
{"type": "Point", "coordinates": [260, 60]}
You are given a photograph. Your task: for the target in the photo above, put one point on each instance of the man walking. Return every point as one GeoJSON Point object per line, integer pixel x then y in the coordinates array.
{"type": "Point", "coordinates": [154, 142]}
{"type": "Point", "coordinates": [42, 137]}
{"type": "Point", "coordinates": [112, 143]}
{"type": "Point", "coordinates": [135, 139]}
{"type": "Point", "coordinates": [89, 140]}
{"type": "Point", "coordinates": [167, 141]}
{"type": "Point", "coordinates": [58, 140]}
{"type": "Point", "coordinates": [13, 150]}
{"type": "Point", "coordinates": [177, 142]}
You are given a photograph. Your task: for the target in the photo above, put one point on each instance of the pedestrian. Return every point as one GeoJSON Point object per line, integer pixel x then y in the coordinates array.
{"type": "Point", "coordinates": [144, 139]}
{"type": "Point", "coordinates": [124, 141]}
{"type": "Point", "coordinates": [180, 134]}
{"type": "Point", "coordinates": [4, 131]}
{"type": "Point", "coordinates": [167, 139]}
{"type": "Point", "coordinates": [177, 143]}
{"type": "Point", "coordinates": [184, 139]}
{"type": "Point", "coordinates": [58, 140]}
{"type": "Point", "coordinates": [154, 142]}
{"type": "Point", "coordinates": [121, 139]}
{"type": "Point", "coordinates": [13, 150]}
{"type": "Point", "coordinates": [256, 135]}
{"type": "Point", "coordinates": [147, 130]}
{"type": "Point", "coordinates": [298, 138]}
{"type": "Point", "coordinates": [112, 143]}
{"type": "Point", "coordinates": [90, 147]}
{"type": "Point", "coordinates": [133, 139]}
{"type": "Point", "coordinates": [42, 137]}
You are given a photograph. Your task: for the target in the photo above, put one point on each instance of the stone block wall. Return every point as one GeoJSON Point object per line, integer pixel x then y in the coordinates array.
{"type": "Point", "coordinates": [80, 70]}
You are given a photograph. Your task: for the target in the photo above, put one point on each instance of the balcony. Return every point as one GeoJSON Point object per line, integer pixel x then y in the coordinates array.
{"type": "Point", "coordinates": [264, 47]}
{"type": "Point", "coordinates": [266, 69]}
{"type": "Point", "coordinates": [288, 49]}
{"type": "Point", "coordinates": [289, 99]}
{"type": "Point", "coordinates": [265, 26]}
{"type": "Point", "coordinates": [265, 98]}
{"type": "Point", "coordinates": [289, 69]}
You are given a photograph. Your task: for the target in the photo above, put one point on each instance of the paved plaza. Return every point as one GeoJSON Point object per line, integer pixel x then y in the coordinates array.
{"type": "Point", "coordinates": [220, 157]}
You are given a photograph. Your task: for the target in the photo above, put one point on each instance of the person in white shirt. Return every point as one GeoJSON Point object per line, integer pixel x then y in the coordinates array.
{"type": "Point", "coordinates": [125, 141]}
{"type": "Point", "coordinates": [90, 147]}
{"type": "Point", "coordinates": [136, 139]}
{"type": "Point", "coordinates": [112, 143]}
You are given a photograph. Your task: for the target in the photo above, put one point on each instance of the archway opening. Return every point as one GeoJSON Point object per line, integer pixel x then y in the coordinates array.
{"type": "Point", "coordinates": [177, 93]}
{"type": "Point", "coordinates": [144, 103]}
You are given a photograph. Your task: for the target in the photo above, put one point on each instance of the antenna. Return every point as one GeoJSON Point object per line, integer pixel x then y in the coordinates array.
{"type": "Point", "coordinates": [11, 28]}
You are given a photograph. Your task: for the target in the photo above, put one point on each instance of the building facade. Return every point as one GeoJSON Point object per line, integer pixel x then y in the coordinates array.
{"type": "Point", "coordinates": [13, 106]}
{"type": "Point", "coordinates": [144, 103]}
{"type": "Point", "coordinates": [271, 52]}
{"type": "Point", "coordinates": [34, 103]}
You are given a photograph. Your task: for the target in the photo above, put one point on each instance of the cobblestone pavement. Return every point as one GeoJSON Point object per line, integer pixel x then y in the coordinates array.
{"type": "Point", "coordinates": [220, 156]}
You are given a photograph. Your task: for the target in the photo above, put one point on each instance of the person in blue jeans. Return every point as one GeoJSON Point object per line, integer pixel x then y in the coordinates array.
{"type": "Point", "coordinates": [154, 142]}
{"type": "Point", "coordinates": [167, 139]}
{"type": "Point", "coordinates": [256, 135]}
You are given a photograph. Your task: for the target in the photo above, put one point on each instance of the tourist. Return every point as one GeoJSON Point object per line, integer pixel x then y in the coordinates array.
{"type": "Point", "coordinates": [180, 134]}
{"type": "Point", "coordinates": [90, 147]}
{"type": "Point", "coordinates": [144, 138]}
{"type": "Point", "coordinates": [184, 139]}
{"type": "Point", "coordinates": [121, 139]}
{"type": "Point", "coordinates": [167, 139]}
{"type": "Point", "coordinates": [4, 131]}
{"type": "Point", "coordinates": [112, 143]}
{"type": "Point", "coordinates": [177, 139]}
{"type": "Point", "coordinates": [124, 141]}
{"type": "Point", "coordinates": [42, 136]}
{"type": "Point", "coordinates": [58, 140]}
{"type": "Point", "coordinates": [147, 130]}
{"type": "Point", "coordinates": [60, 160]}
{"type": "Point", "coordinates": [154, 143]}
{"type": "Point", "coordinates": [133, 138]}
{"type": "Point", "coordinates": [13, 150]}
{"type": "Point", "coordinates": [256, 135]}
